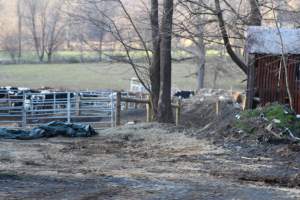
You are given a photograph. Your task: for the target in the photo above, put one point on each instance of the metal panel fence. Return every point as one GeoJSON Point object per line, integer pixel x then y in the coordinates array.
{"type": "Point", "coordinates": [26, 109]}
{"type": "Point", "coordinates": [11, 108]}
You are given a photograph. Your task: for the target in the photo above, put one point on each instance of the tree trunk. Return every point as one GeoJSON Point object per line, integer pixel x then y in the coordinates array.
{"type": "Point", "coordinates": [155, 63]}
{"type": "Point", "coordinates": [200, 73]}
{"type": "Point", "coordinates": [49, 57]}
{"type": "Point", "coordinates": [201, 60]}
{"type": "Point", "coordinates": [100, 46]}
{"type": "Point", "coordinates": [13, 57]}
{"type": "Point", "coordinates": [165, 114]}
{"type": "Point", "coordinates": [255, 18]}
{"type": "Point", "coordinates": [216, 74]}
{"type": "Point", "coordinates": [81, 49]}
{"type": "Point", "coordinates": [240, 63]}
{"type": "Point", "coordinates": [19, 30]}
{"type": "Point", "coordinates": [41, 57]}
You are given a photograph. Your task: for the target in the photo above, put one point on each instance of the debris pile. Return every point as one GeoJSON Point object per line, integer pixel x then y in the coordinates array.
{"type": "Point", "coordinates": [210, 94]}
{"type": "Point", "coordinates": [51, 129]}
{"type": "Point", "coordinates": [218, 114]}
{"type": "Point", "coordinates": [273, 123]}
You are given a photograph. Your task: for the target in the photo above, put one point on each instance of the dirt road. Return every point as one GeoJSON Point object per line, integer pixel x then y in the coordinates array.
{"type": "Point", "coordinates": [144, 162]}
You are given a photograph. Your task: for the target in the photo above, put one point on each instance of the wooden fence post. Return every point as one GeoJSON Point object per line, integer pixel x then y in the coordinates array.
{"type": "Point", "coordinates": [69, 107]}
{"type": "Point", "coordinates": [149, 110]}
{"type": "Point", "coordinates": [218, 104]}
{"type": "Point", "coordinates": [78, 105]}
{"type": "Point", "coordinates": [24, 117]}
{"type": "Point", "coordinates": [178, 112]}
{"type": "Point", "coordinates": [118, 109]}
{"type": "Point", "coordinates": [250, 81]}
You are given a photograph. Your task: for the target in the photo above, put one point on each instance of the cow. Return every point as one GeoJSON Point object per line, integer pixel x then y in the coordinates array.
{"type": "Point", "coordinates": [88, 94]}
{"type": "Point", "coordinates": [90, 99]}
{"type": "Point", "coordinates": [57, 100]}
{"type": "Point", "coordinates": [239, 98]}
{"type": "Point", "coordinates": [3, 93]}
{"type": "Point", "coordinates": [26, 95]}
{"type": "Point", "coordinates": [184, 94]}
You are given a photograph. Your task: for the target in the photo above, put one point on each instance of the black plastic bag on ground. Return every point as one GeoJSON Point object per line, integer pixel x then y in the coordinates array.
{"type": "Point", "coordinates": [51, 129]}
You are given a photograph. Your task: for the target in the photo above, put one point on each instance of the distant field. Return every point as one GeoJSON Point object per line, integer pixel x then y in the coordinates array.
{"type": "Point", "coordinates": [101, 76]}
{"type": "Point", "coordinates": [88, 56]}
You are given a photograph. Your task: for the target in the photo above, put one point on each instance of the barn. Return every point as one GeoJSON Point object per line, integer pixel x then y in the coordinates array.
{"type": "Point", "coordinates": [268, 51]}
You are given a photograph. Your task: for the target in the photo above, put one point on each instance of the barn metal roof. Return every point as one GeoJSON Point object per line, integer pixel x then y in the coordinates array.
{"type": "Point", "coordinates": [266, 40]}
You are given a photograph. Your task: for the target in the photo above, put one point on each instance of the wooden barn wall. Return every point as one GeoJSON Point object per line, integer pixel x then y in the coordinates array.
{"type": "Point", "coordinates": [270, 80]}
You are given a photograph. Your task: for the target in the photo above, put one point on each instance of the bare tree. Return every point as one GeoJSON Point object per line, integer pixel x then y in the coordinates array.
{"type": "Point", "coordinates": [42, 19]}
{"type": "Point", "coordinates": [55, 31]}
{"type": "Point", "coordinates": [241, 64]}
{"type": "Point", "coordinates": [154, 74]}
{"type": "Point", "coordinates": [190, 25]}
{"type": "Point", "coordinates": [118, 22]}
{"type": "Point", "coordinates": [155, 64]}
{"type": "Point", "coordinates": [35, 18]}
{"type": "Point", "coordinates": [255, 18]}
{"type": "Point", "coordinates": [10, 45]}
{"type": "Point", "coordinates": [164, 106]}
{"type": "Point", "coordinates": [94, 22]}
{"type": "Point", "coordinates": [20, 31]}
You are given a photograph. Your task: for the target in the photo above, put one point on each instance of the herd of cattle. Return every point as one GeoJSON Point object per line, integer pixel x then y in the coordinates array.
{"type": "Point", "coordinates": [26, 98]}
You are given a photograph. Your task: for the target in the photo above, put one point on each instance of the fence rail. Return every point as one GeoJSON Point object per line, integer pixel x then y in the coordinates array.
{"type": "Point", "coordinates": [100, 109]}
{"type": "Point", "coordinates": [28, 109]}
{"type": "Point", "coordinates": [119, 99]}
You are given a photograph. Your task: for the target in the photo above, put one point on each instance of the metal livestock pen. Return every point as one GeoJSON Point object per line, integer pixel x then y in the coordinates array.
{"type": "Point", "coordinates": [27, 109]}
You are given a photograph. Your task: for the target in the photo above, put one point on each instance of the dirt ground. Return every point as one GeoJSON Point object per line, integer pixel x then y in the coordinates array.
{"type": "Point", "coordinates": [148, 161]}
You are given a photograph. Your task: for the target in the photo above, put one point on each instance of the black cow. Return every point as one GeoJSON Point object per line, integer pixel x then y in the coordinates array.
{"type": "Point", "coordinates": [88, 94]}
{"type": "Point", "coordinates": [57, 99]}
{"type": "Point", "coordinates": [184, 94]}
{"type": "Point", "coordinates": [3, 93]}
{"type": "Point", "coordinates": [10, 97]}
{"type": "Point", "coordinates": [16, 98]}
{"type": "Point", "coordinates": [58, 96]}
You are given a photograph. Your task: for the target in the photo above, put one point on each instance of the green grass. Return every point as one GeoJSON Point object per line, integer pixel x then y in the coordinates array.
{"type": "Point", "coordinates": [75, 56]}
{"type": "Point", "coordinates": [103, 76]}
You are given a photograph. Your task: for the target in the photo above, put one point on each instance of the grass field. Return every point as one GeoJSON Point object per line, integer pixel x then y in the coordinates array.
{"type": "Point", "coordinates": [89, 56]}
{"type": "Point", "coordinates": [101, 76]}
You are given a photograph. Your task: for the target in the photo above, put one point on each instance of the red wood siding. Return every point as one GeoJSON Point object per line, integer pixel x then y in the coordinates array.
{"type": "Point", "coordinates": [270, 80]}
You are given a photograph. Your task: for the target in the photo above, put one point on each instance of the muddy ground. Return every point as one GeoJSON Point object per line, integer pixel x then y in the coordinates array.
{"type": "Point", "coordinates": [148, 162]}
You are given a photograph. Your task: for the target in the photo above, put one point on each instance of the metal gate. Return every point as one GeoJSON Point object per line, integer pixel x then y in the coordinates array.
{"type": "Point", "coordinates": [11, 108]}
{"type": "Point", "coordinates": [96, 108]}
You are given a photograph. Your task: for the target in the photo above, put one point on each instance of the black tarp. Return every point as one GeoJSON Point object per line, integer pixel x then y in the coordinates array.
{"type": "Point", "coordinates": [51, 129]}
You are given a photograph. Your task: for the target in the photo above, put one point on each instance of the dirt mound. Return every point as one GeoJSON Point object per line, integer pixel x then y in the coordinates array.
{"type": "Point", "coordinates": [216, 114]}
{"type": "Point", "coordinates": [210, 110]}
